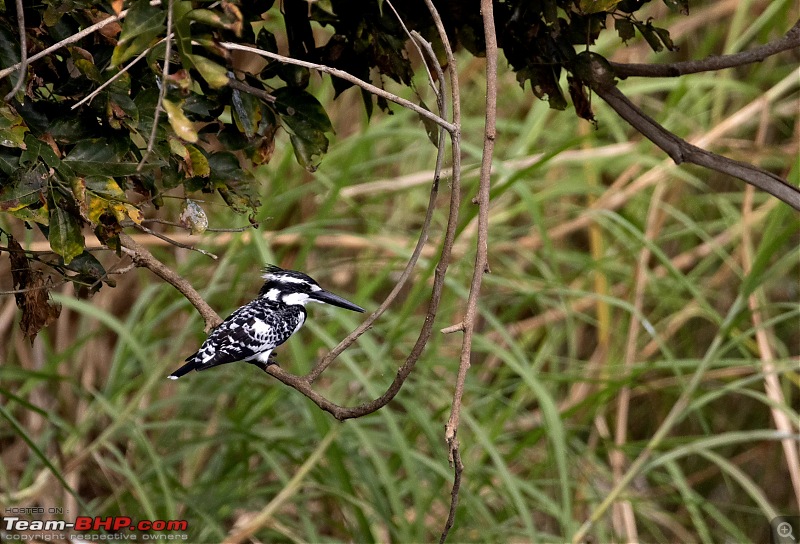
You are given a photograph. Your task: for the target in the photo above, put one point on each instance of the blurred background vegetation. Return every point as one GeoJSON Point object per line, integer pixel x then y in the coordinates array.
{"type": "Point", "coordinates": [569, 324]}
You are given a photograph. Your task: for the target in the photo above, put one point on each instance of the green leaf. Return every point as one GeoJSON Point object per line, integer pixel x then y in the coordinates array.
{"type": "Point", "coordinates": [29, 189]}
{"type": "Point", "coordinates": [180, 123]}
{"type": "Point", "coordinates": [9, 162]}
{"type": "Point", "coordinates": [236, 186]}
{"type": "Point", "coordinates": [625, 29]}
{"type": "Point", "coordinates": [215, 74]}
{"type": "Point", "coordinates": [37, 151]}
{"type": "Point", "coordinates": [65, 235]}
{"type": "Point", "coordinates": [124, 109]}
{"type": "Point", "coordinates": [183, 32]}
{"type": "Point", "coordinates": [663, 34]}
{"type": "Point", "coordinates": [596, 6]}
{"type": "Point", "coordinates": [12, 128]}
{"type": "Point", "coordinates": [246, 112]}
{"type": "Point", "coordinates": [307, 122]}
{"type": "Point", "coordinates": [106, 187]}
{"type": "Point", "coordinates": [39, 214]}
{"type": "Point", "coordinates": [100, 157]}
{"type": "Point", "coordinates": [650, 35]}
{"type": "Point", "coordinates": [199, 162]}
{"type": "Point", "coordinates": [142, 24]}
{"type": "Point", "coordinates": [90, 273]}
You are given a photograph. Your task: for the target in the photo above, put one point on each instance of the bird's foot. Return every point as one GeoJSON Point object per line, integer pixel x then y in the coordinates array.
{"type": "Point", "coordinates": [262, 365]}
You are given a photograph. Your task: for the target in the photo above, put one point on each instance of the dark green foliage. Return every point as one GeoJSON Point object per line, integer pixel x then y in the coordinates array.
{"type": "Point", "coordinates": [57, 145]}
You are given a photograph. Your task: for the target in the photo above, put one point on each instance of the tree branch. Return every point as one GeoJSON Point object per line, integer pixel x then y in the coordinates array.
{"type": "Point", "coordinates": [601, 81]}
{"type": "Point", "coordinates": [23, 52]}
{"type": "Point", "coordinates": [303, 384]}
{"type": "Point", "coordinates": [72, 39]}
{"type": "Point", "coordinates": [113, 78]}
{"type": "Point", "coordinates": [421, 241]}
{"type": "Point", "coordinates": [143, 258]}
{"type": "Point", "coordinates": [249, 89]}
{"type": "Point", "coordinates": [449, 127]}
{"type": "Point", "coordinates": [710, 64]}
{"type": "Point", "coordinates": [481, 258]}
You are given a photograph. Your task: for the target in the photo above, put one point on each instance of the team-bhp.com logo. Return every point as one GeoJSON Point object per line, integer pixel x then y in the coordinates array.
{"type": "Point", "coordinates": [14, 526]}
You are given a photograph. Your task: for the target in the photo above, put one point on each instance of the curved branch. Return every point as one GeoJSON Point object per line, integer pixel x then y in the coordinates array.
{"type": "Point", "coordinates": [713, 63]}
{"type": "Point", "coordinates": [601, 81]}
{"type": "Point", "coordinates": [449, 127]}
{"type": "Point", "coordinates": [423, 237]}
{"type": "Point", "coordinates": [143, 258]}
{"type": "Point", "coordinates": [481, 260]}
{"type": "Point", "coordinates": [303, 384]}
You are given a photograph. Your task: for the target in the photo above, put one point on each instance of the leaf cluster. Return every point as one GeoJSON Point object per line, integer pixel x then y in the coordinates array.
{"type": "Point", "coordinates": [78, 145]}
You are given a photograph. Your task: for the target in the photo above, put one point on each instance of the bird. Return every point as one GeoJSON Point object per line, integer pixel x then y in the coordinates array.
{"type": "Point", "coordinates": [251, 333]}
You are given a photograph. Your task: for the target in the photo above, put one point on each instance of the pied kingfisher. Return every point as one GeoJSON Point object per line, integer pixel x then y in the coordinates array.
{"type": "Point", "coordinates": [254, 330]}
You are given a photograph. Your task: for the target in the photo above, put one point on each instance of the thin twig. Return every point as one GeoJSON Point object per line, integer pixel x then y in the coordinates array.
{"type": "Point", "coordinates": [113, 78]}
{"type": "Point", "coordinates": [481, 257]}
{"type": "Point", "coordinates": [23, 52]}
{"type": "Point", "coordinates": [679, 149]}
{"type": "Point", "coordinates": [234, 83]}
{"type": "Point", "coordinates": [418, 46]}
{"type": "Point", "coordinates": [302, 384]}
{"type": "Point", "coordinates": [143, 258]}
{"type": "Point", "coordinates": [72, 39]}
{"type": "Point", "coordinates": [458, 469]}
{"type": "Point", "coordinates": [175, 242]}
{"type": "Point", "coordinates": [449, 127]}
{"type": "Point", "coordinates": [423, 237]}
{"type": "Point", "coordinates": [161, 92]}
{"type": "Point", "coordinates": [711, 64]}
{"type": "Point", "coordinates": [178, 225]}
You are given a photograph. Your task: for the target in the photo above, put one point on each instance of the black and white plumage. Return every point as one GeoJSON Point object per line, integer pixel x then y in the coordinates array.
{"type": "Point", "coordinates": [254, 330]}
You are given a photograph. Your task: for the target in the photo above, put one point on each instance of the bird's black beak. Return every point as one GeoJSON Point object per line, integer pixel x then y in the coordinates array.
{"type": "Point", "coordinates": [334, 300]}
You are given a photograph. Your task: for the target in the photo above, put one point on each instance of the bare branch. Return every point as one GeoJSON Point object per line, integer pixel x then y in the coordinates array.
{"type": "Point", "coordinates": [72, 39]}
{"type": "Point", "coordinates": [602, 82]}
{"type": "Point", "coordinates": [23, 52]}
{"type": "Point", "coordinates": [418, 45]}
{"type": "Point", "coordinates": [713, 63]}
{"type": "Point", "coordinates": [451, 516]}
{"type": "Point", "coordinates": [113, 78]}
{"type": "Point", "coordinates": [449, 127]}
{"type": "Point", "coordinates": [423, 237]}
{"type": "Point", "coordinates": [481, 257]}
{"type": "Point", "coordinates": [249, 89]}
{"type": "Point", "coordinates": [143, 258]}
{"type": "Point", "coordinates": [175, 242]}
{"type": "Point", "coordinates": [176, 224]}
{"type": "Point", "coordinates": [303, 384]}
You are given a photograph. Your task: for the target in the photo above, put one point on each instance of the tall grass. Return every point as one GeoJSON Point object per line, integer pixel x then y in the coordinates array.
{"type": "Point", "coordinates": [92, 425]}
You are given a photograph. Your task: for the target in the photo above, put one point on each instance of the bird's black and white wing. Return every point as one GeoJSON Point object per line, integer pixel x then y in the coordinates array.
{"type": "Point", "coordinates": [248, 334]}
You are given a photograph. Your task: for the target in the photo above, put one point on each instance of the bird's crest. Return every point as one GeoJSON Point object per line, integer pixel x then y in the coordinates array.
{"type": "Point", "coordinates": [274, 273]}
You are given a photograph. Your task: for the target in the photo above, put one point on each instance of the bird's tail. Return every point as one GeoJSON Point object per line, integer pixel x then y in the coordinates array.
{"type": "Point", "coordinates": [191, 364]}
